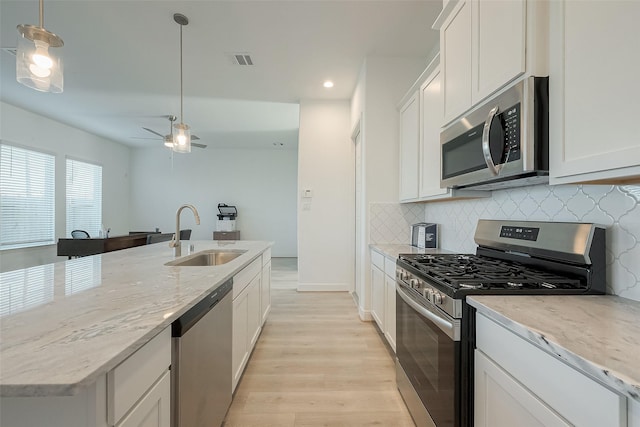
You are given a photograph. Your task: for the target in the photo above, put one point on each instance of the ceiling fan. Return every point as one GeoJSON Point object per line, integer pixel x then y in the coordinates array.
{"type": "Point", "coordinates": [168, 139]}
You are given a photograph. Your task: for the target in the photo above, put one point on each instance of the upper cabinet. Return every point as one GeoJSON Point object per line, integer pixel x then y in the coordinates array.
{"type": "Point", "coordinates": [486, 44]}
{"type": "Point", "coordinates": [409, 142]}
{"type": "Point", "coordinates": [420, 159]}
{"type": "Point", "coordinates": [594, 92]}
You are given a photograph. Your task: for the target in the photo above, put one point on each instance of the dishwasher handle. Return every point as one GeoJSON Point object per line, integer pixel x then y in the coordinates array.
{"type": "Point", "coordinates": [181, 325]}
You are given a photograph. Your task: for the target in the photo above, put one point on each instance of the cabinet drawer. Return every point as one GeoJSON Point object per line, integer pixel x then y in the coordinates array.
{"type": "Point", "coordinates": [390, 267]}
{"type": "Point", "coordinates": [131, 379]}
{"type": "Point", "coordinates": [576, 397]}
{"type": "Point", "coordinates": [154, 409]}
{"type": "Point", "coordinates": [377, 259]}
{"type": "Point", "coordinates": [266, 257]}
{"type": "Point", "coordinates": [244, 277]}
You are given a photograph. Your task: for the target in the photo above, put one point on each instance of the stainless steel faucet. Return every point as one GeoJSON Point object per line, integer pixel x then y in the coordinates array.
{"type": "Point", "coordinates": [175, 240]}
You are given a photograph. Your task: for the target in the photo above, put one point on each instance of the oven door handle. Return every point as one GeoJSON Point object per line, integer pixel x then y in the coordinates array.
{"type": "Point", "coordinates": [446, 326]}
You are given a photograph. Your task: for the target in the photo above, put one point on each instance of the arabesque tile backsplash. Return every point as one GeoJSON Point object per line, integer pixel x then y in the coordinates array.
{"type": "Point", "coordinates": [616, 207]}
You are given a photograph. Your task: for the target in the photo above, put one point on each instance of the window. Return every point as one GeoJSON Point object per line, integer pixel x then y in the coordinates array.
{"type": "Point", "coordinates": [27, 190]}
{"type": "Point", "coordinates": [84, 197]}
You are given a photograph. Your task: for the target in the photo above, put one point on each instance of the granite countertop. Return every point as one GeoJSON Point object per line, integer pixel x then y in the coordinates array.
{"type": "Point", "coordinates": [392, 251]}
{"type": "Point", "coordinates": [63, 325]}
{"type": "Point", "coordinates": [597, 335]}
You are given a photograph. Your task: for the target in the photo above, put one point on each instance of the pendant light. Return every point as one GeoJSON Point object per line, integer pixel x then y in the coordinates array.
{"type": "Point", "coordinates": [182, 134]}
{"type": "Point", "coordinates": [38, 66]}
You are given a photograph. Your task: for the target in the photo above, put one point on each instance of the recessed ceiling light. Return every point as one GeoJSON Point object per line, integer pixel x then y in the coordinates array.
{"type": "Point", "coordinates": [328, 84]}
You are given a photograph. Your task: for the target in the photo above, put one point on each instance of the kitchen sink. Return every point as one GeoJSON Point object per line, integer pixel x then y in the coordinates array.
{"type": "Point", "coordinates": [206, 258]}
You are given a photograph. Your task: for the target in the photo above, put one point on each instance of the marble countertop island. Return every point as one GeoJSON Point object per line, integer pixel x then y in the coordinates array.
{"type": "Point", "coordinates": [62, 325]}
{"type": "Point", "coordinates": [597, 335]}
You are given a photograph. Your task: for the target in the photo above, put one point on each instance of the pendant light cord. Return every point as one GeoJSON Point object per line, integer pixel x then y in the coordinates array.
{"type": "Point", "coordinates": [41, 13]}
{"type": "Point", "coordinates": [181, 95]}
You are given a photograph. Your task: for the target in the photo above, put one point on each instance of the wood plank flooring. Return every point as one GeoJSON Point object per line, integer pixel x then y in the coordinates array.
{"type": "Point", "coordinates": [317, 364]}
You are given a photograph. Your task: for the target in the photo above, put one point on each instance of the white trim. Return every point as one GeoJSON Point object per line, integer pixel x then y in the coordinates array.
{"type": "Point", "coordinates": [365, 315]}
{"type": "Point", "coordinates": [323, 287]}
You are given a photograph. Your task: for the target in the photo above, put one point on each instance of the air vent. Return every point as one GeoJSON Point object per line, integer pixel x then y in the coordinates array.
{"type": "Point", "coordinates": [241, 58]}
{"type": "Point", "coordinates": [12, 50]}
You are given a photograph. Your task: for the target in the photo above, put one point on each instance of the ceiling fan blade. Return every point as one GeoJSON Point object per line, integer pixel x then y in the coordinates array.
{"type": "Point", "coordinates": [154, 132]}
{"type": "Point", "coordinates": [193, 144]}
{"type": "Point", "coordinates": [195, 137]}
{"type": "Point", "coordinates": [142, 137]}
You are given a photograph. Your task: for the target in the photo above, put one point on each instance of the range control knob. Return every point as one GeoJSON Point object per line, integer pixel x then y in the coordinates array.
{"type": "Point", "coordinates": [429, 294]}
{"type": "Point", "coordinates": [413, 283]}
{"type": "Point", "coordinates": [438, 298]}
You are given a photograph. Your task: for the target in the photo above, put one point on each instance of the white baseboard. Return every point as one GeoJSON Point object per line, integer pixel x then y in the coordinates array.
{"type": "Point", "coordinates": [323, 287]}
{"type": "Point", "coordinates": [365, 315]}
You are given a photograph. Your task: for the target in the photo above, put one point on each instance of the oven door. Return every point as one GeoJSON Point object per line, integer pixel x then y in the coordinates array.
{"type": "Point", "coordinates": [428, 351]}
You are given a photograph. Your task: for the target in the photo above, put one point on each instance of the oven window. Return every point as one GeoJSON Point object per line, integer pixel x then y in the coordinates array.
{"type": "Point", "coordinates": [428, 357]}
{"type": "Point", "coordinates": [463, 154]}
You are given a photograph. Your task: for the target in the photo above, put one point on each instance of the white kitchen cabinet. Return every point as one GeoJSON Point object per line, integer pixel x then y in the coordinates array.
{"type": "Point", "coordinates": [135, 393]}
{"type": "Point", "coordinates": [390, 311]}
{"type": "Point", "coordinates": [154, 409]}
{"type": "Point", "coordinates": [251, 303]}
{"type": "Point", "coordinates": [487, 44]}
{"type": "Point", "coordinates": [498, 37]}
{"type": "Point", "coordinates": [409, 145]}
{"type": "Point", "coordinates": [240, 340]}
{"type": "Point", "coordinates": [594, 92]}
{"type": "Point", "coordinates": [377, 296]}
{"type": "Point", "coordinates": [455, 52]}
{"type": "Point", "coordinates": [553, 393]}
{"type": "Point", "coordinates": [254, 311]}
{"type": "Point", "coordinates": [265, 293]}
{"type": "Point", "coordinates": [501, 401]}
{"type": "Point", "coordinates": [633, 413]}
{"type": "Point", "coordinates": [422, 183]}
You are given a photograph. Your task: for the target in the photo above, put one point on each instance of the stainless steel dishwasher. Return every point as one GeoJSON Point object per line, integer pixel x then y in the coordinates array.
{"type": "Point", "coordinates": [201, 361]}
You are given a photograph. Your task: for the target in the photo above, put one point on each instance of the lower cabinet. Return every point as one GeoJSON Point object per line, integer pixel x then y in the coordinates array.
{"type": "Point", "coordinates": [377, 296]}
{"type": "Point", "coordinates": [136, 393]}
{"type": "Point", "coordinates": [518, 383]}
{"type": "Point", "coordinates": [154, 408]}
{"type": "Point", "coordinates": [251, 305]}
{"type": "Point", "coordinates": [383, 295]}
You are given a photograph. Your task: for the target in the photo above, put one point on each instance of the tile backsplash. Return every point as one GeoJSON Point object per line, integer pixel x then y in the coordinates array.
{"type": "Point", "coordinates": [616, 207]}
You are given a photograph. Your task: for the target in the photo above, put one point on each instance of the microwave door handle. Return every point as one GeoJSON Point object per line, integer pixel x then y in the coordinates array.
{"type": "Point", "coordinates": [486, 150]}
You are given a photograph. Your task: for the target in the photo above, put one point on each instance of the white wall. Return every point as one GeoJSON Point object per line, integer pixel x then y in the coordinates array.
{"type": "Point", "coordinates": [33, 131]}
{"type": "Point", "coordinates": [326, 221]}
{"type": "Point", "coordinates": [381, 84]}
{"type": "Point", "coordinates": [261, 183]}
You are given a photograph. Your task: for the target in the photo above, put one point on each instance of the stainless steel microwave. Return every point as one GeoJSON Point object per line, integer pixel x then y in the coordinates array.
{"type": "Point", "coordinates": [502, 143]}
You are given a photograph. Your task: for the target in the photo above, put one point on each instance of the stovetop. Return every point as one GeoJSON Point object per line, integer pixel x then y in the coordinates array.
{"type": "Point", "coordinates": [480, 273]}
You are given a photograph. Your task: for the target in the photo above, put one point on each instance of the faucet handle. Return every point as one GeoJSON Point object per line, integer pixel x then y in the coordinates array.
{"type": "Point", "coordinates": [173, 243]}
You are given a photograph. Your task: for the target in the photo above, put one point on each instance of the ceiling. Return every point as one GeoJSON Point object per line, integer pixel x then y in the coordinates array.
{"type": "Point", "coordinates": [122, 64]}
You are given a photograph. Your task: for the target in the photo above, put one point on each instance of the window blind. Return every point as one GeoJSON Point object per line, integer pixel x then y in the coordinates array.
{"type": "Point", "coordinates": [84, 197]}
{"type": "Point", "coordinates": [27, 198]}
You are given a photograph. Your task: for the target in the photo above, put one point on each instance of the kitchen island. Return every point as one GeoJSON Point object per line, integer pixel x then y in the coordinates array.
{"type": "Point", "coordinates": [91, 314]}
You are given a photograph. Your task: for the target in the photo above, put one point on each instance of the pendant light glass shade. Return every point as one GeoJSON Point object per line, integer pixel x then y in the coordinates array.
{"type": "Point", "coordinates": [181, 138]}
{"type": "Point", "coordinates": [38, 61]}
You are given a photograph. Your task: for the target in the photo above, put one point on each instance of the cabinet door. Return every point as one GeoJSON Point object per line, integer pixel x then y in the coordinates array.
{"type": "Point", "coordinates": [594, 91]}
{"type": "Point", "coordinates": [430, 121]}
{"type": "Point", "coordinates": [501, 401]}
{"type": "Point", "coordinates": [265, 294]}
{"type": "Point", "coordinates": [254, 311]}
{"type": "Point", "coordinates": [377, 296]}
{"type": "Point", "coordinates": [498, 37]}
{"type": "Point", "coordinates": [455, 51]}
{"type": "Point", "coordinates": [153, 410]}
{"type": "Point", "coordinates": [240, 342]}
{"type": "Point", "coordinates": [390, 311]}
{"type": "Point", "coordinates": [409, 145]}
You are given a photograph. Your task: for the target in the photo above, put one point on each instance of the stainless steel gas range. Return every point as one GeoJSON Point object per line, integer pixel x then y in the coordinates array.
{"type": "Point", "coordinates": [435, 327]}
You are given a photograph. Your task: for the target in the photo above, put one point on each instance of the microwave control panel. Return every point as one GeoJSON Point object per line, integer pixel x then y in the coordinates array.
{"type": "Point", "coordinates": [510, 119]}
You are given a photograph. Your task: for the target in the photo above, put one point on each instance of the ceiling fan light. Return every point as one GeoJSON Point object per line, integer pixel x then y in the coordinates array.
{"type": "Point", "coordinates": [181, 138]}
{"type": "Point", "coordinates": [38, 61]}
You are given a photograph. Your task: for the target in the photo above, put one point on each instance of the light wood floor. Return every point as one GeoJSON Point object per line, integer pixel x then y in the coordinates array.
{"type": "Point", "coordinates": [317, 364]}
